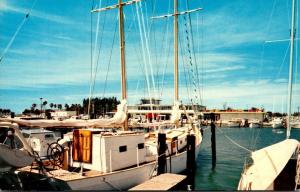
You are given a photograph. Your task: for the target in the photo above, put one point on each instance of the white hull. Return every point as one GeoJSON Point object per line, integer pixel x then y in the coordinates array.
{"type": "Point", "coordinates": [125, 179]}
{"type": "Point", "coordinates": [233, 124]}
{"type": "Point", "coordinates": [254, 125]}
{"type": "Point", "coordinates": [277, 125]}
{"type": "Point", "coordinates": [267, 163]}
{"type": "Point", "coordinates": [120, 180]}
{"type": "Point", "coordinates": [295, 125]}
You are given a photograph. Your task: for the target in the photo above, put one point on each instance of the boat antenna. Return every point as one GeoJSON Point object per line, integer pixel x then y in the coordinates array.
{"type": "Point", "coordinates": [290, 85]}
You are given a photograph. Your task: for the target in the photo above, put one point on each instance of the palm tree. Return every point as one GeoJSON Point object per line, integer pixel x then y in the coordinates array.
{"type": "Point", "coordinates": [67, 107]}
{"type": "Point", "coordinates": [44, 104]}
{"type": "Point", "coordinates": [33, 106]}
{"type": "Point", "coordinates": [51, 105]}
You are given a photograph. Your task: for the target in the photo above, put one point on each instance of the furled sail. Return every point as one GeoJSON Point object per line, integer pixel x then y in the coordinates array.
{"type": "Point", "coordinates": [176, 113]}
{"type": "Point", "coordinates": [12, 156]}
{"type": "Point", "coordinates": [116, 121]}
{"type": "Point", "coordinates": [267, 165]}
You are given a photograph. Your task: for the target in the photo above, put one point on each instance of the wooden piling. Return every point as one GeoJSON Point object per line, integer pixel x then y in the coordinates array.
{"type": "Point", "coordinates": [161, 153]}
{"type": "Point", "coordinates": [190, 161]}
{"type": "Point", "coordinates": [213, 140]}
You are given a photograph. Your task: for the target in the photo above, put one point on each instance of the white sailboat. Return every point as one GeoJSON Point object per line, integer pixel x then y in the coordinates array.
{"type": "Point", "coordinates": [277, 123]}
{"type": "Point", "coordinates": [295, 124]}
{"type": "Point", "coordinates": [14, 150]}
{"type": "Point", "coordinates": [276, 167]}
{"type": "Point", "coordinates": [255, 123]}
{"type": "Point", "coordinates": [99, 160]}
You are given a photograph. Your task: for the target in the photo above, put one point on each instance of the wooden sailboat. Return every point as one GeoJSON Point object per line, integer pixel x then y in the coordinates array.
{"type": "Point", "coordinates": [99, 160]}
{"type": "Point", "coordinates": [276, 167]}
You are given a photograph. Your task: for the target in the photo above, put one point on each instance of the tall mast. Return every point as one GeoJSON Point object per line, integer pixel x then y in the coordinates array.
{"type": "Point", "coordinates": [175, 15]}
{"type": "Point", "coordinates": [290, 85]}
{"type": "Point", "coordinates": [122, 50]}
{"type": "Point", "coordinates": [122, 44]}
{"type": "Point", "coordinates": [176, 97]}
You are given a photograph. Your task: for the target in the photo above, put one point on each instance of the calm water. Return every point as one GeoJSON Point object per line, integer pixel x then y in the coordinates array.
{"type": "Point", "coordinates": [230, 157]}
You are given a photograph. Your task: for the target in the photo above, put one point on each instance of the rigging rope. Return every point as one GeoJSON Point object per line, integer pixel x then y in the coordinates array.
{"type": "Point", "coordinates": [284, 58]}
{"type": "Point", "coordinates": [201, 52]}
{"type": "Point", "coordinates": [296, 47]}
{"type": "Point", "coordinates": [152, 28]}
{"type": "Point", "coordinates": [17, 32]}
{"type": "Point", "coordinates": [193, 69]}
{"type": "Point", "coordinates": [185, 70]}
{"type": "Point", "coordinates": [91, 64]}
{"type": "Point", "coordinates": [139, 54]}
{"type": "Point", "coordinates": [288, 12]}
{"type": "Point", "coordinates": [189, 56]}
{"type": "Point", "coordinates": [100, 48]}
{"type": "Point", "coordinates": [141, 30]}
{"type": "Point", "coordinates": [109, 61]}
{"type": "Point", "coordinates": [234, 142]}
{"type": "Point", "coordinates": [254, 136]}
{"type": "Point", "coordinates": [267, 30]}
{"type": "Point", "coordinates": [166, 52]}
{"type": "Point", "coordinates": [148, 51]}
{"type": "Point", "coordinates": [195, 58]}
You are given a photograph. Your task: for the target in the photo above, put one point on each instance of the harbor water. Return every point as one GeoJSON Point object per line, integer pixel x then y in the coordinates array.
{"type": "Point", "coordinates": [231, 154]}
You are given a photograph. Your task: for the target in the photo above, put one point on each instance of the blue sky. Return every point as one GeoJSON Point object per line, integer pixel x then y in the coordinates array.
{"type": "Point", "coordinates": [51, 55]}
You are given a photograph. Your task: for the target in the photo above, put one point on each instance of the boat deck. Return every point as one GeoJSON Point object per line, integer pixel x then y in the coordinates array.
{"type": "Point", "coordinates": [65, 175]}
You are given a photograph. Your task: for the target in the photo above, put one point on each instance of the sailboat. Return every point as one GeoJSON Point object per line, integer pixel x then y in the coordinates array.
{"type": "Point", "coordinates": [14, 150]}
{"type": "Point", "coordinates": [276, 167]}
{"type": "Point", "coordinates": [95, 159]}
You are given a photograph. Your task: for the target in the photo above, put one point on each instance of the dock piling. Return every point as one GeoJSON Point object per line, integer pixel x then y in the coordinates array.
{"type": "Point", "coordinates": [213, 140]}
{"type": "Point", "coordinates": [161, 153]}
{"type": "Point", "coordinates": [190, 161]}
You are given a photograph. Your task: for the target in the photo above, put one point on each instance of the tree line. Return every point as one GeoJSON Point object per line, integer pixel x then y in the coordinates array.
{"type": "Point", "coordinates": [99, 106]}
{"type": "Point", "coordinates": [5, 112]}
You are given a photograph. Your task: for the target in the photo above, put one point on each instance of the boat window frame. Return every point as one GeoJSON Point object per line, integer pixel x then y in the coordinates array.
{"type": "Point", "coordinates": [122, 148]}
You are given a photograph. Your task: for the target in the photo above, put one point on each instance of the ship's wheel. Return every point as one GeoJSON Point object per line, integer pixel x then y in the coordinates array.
{"type": "Point", "coordinates": [55, 154]}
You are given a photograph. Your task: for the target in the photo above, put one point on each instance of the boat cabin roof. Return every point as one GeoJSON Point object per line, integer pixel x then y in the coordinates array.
{"type": "Point", "coordinates": [36, 131]}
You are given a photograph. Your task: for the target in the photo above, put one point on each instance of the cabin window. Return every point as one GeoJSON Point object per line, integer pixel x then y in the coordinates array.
{"type": "Point", "coordinates": [122, 148]}
{"type": "Point", "coordinates": [141, 146]}
{"type": "Point", "coordinates": [49, 136]}
{"type": "Point", "coordinates": [26, 135]}
{"type": "Point", "coordinates": [16, 142]}
{"type": "Point", "coordinates": [180, 141]}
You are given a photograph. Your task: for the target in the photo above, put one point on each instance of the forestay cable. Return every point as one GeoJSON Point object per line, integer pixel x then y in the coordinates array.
{"type": "Point", "coordinates": [17, 32]}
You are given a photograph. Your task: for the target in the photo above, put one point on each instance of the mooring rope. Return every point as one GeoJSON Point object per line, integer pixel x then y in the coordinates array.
{"type": "Point", "coordinates": [234, 142]}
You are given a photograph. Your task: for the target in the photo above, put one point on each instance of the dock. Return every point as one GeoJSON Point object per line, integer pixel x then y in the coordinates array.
{"type": "Point", "coordinates": [163, 182]}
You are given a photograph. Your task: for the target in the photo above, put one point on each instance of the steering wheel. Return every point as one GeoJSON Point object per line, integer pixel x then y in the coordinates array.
{"type": "Point", "coordinates": [55, 154]}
